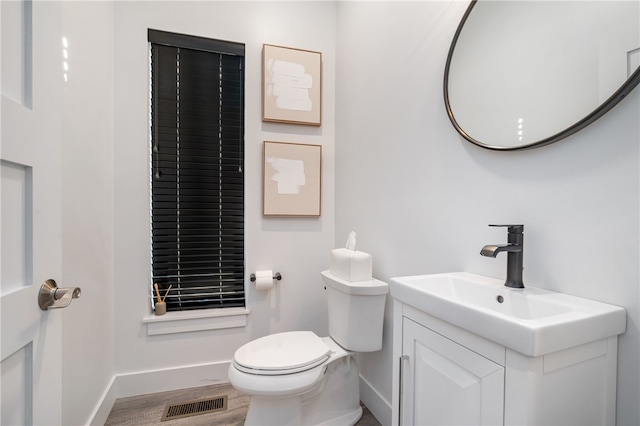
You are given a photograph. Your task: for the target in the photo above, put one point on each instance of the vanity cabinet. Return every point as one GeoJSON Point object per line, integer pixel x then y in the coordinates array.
{"type": "Point", "coordinates": [446, 383]}
{"type": "Point", "coordinates": [445, 375]}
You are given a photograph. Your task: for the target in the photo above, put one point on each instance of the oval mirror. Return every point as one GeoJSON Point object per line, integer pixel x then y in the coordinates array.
{"type": "Point", "coordinates": [523, 74]}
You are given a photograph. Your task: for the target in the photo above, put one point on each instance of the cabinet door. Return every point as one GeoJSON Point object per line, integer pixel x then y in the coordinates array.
{"type": "Point", "coordinates": [444, 383]}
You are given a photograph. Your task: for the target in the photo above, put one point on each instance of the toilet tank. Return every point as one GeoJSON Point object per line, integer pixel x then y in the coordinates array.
{"type": "Point", "coordinates": [356, 312]}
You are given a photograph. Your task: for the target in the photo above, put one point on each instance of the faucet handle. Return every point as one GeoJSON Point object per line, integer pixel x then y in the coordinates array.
{"type": "Point", "coordinates": [512, 229]}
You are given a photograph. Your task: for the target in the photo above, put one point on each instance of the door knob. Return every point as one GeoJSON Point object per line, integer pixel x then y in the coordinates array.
{"type": "Point", "coordinates": [51, 296]}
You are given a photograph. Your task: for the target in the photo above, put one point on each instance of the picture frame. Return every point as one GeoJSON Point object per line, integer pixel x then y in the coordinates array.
{"type": "Point", "coordinates": [292, 179]}
{"type": "Point", "coordinates": [291, 85]}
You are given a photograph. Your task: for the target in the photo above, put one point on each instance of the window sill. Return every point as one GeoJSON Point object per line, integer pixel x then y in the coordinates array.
{"type": "Point", "coordinates": [187, 321]}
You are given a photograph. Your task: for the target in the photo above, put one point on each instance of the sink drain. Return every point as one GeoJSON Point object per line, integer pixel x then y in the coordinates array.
{"type": "Point", "coordinates": [500, 299]}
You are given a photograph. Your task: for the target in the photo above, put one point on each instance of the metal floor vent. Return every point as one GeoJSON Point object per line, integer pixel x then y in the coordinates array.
{"type": "Point", "coordinates": [195, 408]}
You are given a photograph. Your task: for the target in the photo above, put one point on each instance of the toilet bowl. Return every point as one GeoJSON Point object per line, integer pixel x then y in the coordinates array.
{"type": "Point", "coordinates": [298, 378]}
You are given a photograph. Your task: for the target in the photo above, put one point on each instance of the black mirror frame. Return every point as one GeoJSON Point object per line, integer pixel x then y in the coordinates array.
{"type": "Point", "coordinates": [601, 110]}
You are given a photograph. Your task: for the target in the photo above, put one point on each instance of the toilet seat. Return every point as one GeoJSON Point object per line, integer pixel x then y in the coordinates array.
{"type": "Point", "coordinates": [279, 383]}
{"type": "Point", "coordinates": [282, 353]}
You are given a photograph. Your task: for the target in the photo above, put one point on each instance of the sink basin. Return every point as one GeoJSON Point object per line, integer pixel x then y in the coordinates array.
{"type": "Point", "coordinates": [531, 321]}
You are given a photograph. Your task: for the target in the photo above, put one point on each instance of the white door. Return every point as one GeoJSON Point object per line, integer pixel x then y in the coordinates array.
{"type": "Point", "coordinates": [444, 383]}
{"type": "Point", "coordinates": [30, 210]}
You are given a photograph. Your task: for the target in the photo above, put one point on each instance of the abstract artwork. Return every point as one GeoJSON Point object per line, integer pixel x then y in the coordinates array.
{"type": "Point", "coordinates": [291, 179]}
{"type": "Point", "coordinates": [292, 85]}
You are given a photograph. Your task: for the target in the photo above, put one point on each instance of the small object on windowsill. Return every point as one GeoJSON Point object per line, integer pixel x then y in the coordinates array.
{"type": "Point", "coordinates": [161, 308]}
{"type": "Point", "coordinates": [155, 286]}
{"type": "Point", "coordinates": [166, 293]}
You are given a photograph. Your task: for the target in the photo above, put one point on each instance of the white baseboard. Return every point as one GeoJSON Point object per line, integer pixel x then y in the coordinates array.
{"type": "Point", "coordinates": [376, 403]}
{"type": "Point", "coordinates": [105, 404]}
{"type": "Point", "coordinates": [152, 381]}
{"type": "Point", "coordinates": [161, 380]}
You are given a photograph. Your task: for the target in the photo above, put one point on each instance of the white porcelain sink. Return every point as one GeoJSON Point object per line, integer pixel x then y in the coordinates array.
{"type": "Point", "coordinates": [531, 321]}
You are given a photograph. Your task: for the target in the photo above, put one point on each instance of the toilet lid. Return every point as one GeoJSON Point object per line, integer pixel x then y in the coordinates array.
{"type": "Point", "coordinates": [291, 352]}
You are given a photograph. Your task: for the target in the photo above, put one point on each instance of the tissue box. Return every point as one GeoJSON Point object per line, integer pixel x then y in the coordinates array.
{"type": "Point", "coordinates": [351, 265]}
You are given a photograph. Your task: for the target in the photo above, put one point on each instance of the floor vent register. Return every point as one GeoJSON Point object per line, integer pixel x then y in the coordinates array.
{"type": "Point", "coordinates": [195, 408]}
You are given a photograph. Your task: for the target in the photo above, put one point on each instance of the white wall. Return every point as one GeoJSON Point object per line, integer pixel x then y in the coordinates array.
{"type": "Point", "coordinates": [420, 197]}
{"type": "Point", "coordinates": [298, 248]}
{"type": "Point", "coordinates": [87, 212]}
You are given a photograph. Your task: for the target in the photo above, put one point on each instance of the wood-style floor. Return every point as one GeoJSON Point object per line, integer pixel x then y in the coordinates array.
{"type": "Point", "coordinates": [148, 409]}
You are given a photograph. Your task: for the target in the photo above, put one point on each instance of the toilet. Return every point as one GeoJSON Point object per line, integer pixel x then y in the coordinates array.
{"type": "Point", "coordinates": [298, 378]}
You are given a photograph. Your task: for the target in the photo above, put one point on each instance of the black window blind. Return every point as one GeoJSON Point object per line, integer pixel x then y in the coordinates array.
{"type": "Point", "coordinates": [197, 180]}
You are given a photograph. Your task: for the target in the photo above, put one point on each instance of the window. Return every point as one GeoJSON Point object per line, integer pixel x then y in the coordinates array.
{"type": "Point", "coordinates": [197, 181]}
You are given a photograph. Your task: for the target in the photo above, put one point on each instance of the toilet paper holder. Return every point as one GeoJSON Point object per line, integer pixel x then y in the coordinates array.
{"type": "Point", "coordinates": [277, 276]}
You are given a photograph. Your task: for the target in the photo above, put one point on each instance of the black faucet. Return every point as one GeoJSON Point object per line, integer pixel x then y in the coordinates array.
{"type": "Point", "coordinates": [515, 251]}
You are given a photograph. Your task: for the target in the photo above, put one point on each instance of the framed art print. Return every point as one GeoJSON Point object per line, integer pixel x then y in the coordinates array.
{"type": "Point", "coordinates": [291, 85]}
{"type": "Point", "coordinates": [291, 179]}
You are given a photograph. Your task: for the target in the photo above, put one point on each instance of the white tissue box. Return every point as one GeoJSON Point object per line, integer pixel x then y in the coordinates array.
{"type": "Point", "coordinates": [351, 265]}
